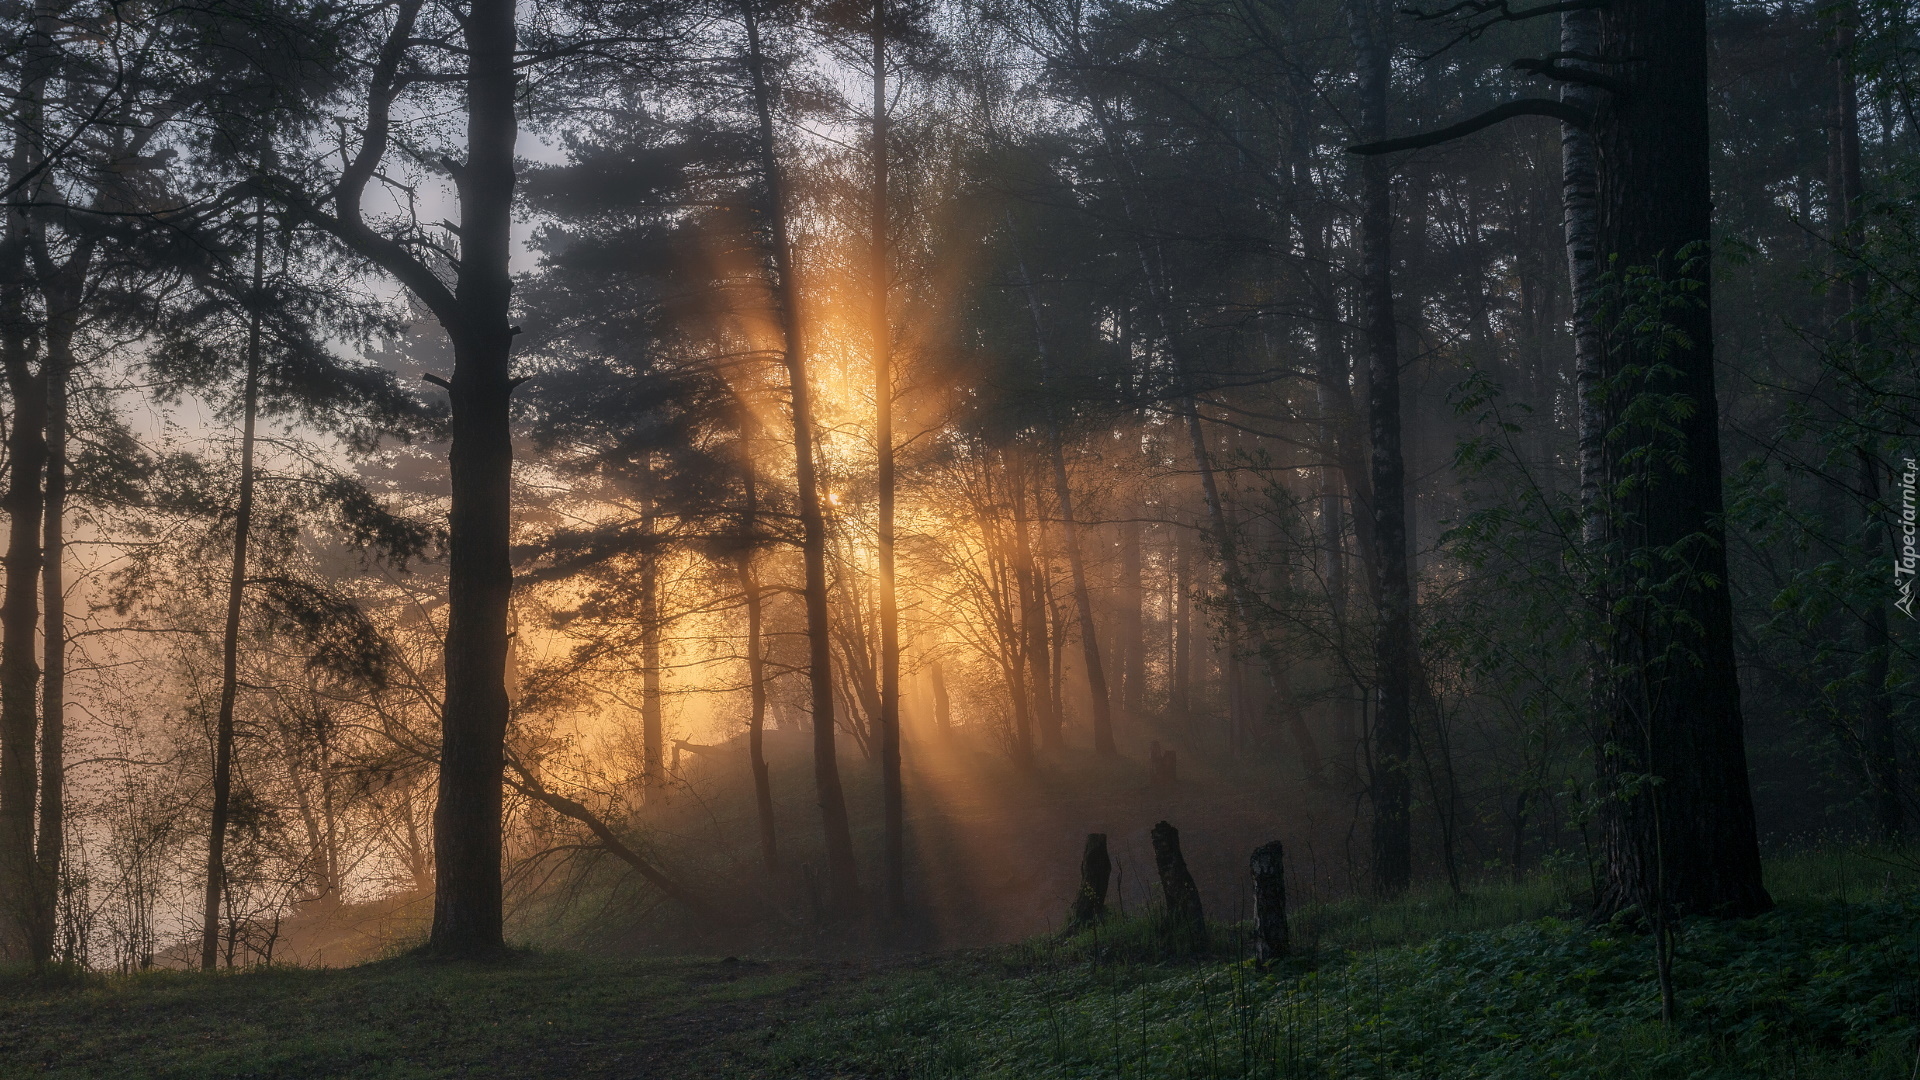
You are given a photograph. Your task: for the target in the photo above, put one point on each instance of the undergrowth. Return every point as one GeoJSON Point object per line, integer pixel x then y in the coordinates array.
{"type": "Point", "coordinates": [1819, 988]}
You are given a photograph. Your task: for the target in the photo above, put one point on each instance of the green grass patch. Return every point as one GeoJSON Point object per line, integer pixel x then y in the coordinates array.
{"type": "Point", "coordinates": [534, 1015]}
{"type": "Point", "coordinates": [1503, 981]}
{"type": "Point", "coordinates": [1816, 989]}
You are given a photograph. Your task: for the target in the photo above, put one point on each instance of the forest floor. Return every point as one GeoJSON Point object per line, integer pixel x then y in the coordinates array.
{"type": "Point", "coordinates": [1432, 986]}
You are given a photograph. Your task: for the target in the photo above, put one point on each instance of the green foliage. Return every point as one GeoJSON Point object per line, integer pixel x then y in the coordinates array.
{"type": "Point", "coordinates": [1815, 990]}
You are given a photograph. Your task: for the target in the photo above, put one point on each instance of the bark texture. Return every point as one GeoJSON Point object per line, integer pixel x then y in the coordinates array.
{"type": "Point", "coordinates": [1390, 783]}
{"type": "Point", "coordinates": [1270, 934]}
{"type": "Point", "coordinates": [1677, 813]}
{"type": "Point", "coordinates": [1186, 924]}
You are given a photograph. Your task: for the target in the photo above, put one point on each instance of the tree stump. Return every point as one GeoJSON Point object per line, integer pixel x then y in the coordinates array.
{"type": "Point", "coordinates": [1269, 902]}
{"type": "Point", "coordinates": [1186, 924]}
{"type": "Point", "coordinates": [1090, 904]}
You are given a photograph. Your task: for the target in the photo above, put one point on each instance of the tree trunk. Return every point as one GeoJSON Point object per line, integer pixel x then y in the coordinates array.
{"type": "Point", "coordinates": [756, 664]}
{"type": "Point", "coordinates": [942, 707]}
{"type": "Point", "coordinates": [1685, 844]}
{"type": "Point", "coordinates": [1033, 610]}
{"type": "Point", "coordinates": [1186, 924]}
{"type": "Point", "coordinates": [53, 693]}
{"type": "Point", "coordinates": [843, 879]}
{"type": "Point", "coordinates": [1879, 741]}
{"type": "Point", "coordinates": [1096, 868]}
{"type": "Point", "coordinates": [1580, 36]}
{"type": "Point", "coordinates": [1098, 694]}
{"type": "Point", "coordinates": [1133, 646]}
{"type": "Point", "coordinates": [467, 828]}
{"type": "Point", "coordinates": [1270, 936]}
{"type": "Point", "coordinates": [1390, 784]}
{"type": "Point", "coordinates": [19, 609]}
{"type": "Point", "coordinates": [757, 719]}
{"type": "Point", "coordinates": [893, 857]}
{"type": "Point", "coordinates": [1180, 692]}
{"type": "Point", "coordinates": [216, 875]}
{"type": "Point", "coordinates": [653, 763]}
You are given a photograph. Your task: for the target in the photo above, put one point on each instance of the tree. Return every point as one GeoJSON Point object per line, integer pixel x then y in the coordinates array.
{"type": "Point", "coordinates": [1389, 783]}
{"type": "Point", "coordinates": [1678, 816]}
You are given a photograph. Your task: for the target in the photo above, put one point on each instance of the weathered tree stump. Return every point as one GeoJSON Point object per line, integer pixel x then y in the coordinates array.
{"type": "Point", "coordinates": [1186, 924]}
{"type": "Point", "coordinates": [1269, 902]}
{"type": "Point", "coordinates": [1090, 904]}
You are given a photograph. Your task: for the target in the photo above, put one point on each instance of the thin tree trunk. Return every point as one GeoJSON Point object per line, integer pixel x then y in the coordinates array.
{"type": "Point", "coordinates": [1879, 742]}
{"type": "Point", "coordinates": [53, 694]}
{"type": "Point", "coordinates": [1033, 611]}
{"type": "Point", "coordinates": [1580, 36]}
{"type": "Point", "coordinates": [1391, 786]}
{"type": "Point", "coordinates": [1133, 648]}
{"type": "Point", "coordinates": [653, 764]}
{"type": "Point", "coordinates": [1180, 695]}
{"type": "Point", "coordinates": [216, 874]}
{"type": "Point", "coordinates": [1102, 704]}
{"type": "Point", "coordinates": [942, 706]}
{"type": "Point", "coordinates": [843, 879]}
{"type": "Point", "coordinates": [756, 660]}
{"type": "Point", "coordinates": [757, 717]}
{"type": "Point", "coordinates": [893, 858]}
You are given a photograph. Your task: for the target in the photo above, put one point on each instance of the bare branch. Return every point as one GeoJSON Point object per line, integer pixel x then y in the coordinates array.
{"type": "Point", "coordinates": [1559, 110]}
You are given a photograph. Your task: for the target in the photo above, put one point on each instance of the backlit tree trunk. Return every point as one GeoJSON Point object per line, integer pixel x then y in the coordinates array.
{"type": "Point", "coordinates": [467, 827]}
{"type": "Point", "coordinates": [893, 859]}
{"type": "Point", "coordinates": [843, 879]}
{"type": "Point", "coordinates": [216, 871]}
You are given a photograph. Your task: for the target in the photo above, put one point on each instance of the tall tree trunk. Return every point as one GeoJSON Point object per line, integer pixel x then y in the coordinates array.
{"type": "Point", "coordinates": [1133, 646]}
{"type": "Point", "coordinates": [1033, 609]}
{"type": "Point", "coordinates": [756, 659]}
{"type": "Point", "coordinates": [1580, 207]}
{"type": "Point", "coordinates": [1180, 691]}
{"type": "Point", "coordinates": [893, 858]}
{"type": "Point", "coordinates": [467, 907]}
{"type": "Point", "coordinates": [843, 879]}
{"type": "Point", "coordinates": [1390, 783]}
{"type": "Point", "coordinates": [26, 465]}
{"type": "Point", "coordinates": [51, 847]}
{"type": "Point", "coordinates": [216, 875]}
{"type": "Point", "coordinates": [62, 288]}
{"type": "Point", "coordinates": [1879, 742]}
{"type": "Point", "coordinates": [942, 705]}
{"type": "Point", "coordinates": [1102, 704]}
{"type": "Point", "coordinates": [1686, 843]}
{"type": "Point", "coordinates": [757, 716]}
{"type": "Point", "coordinates": [653, 740]}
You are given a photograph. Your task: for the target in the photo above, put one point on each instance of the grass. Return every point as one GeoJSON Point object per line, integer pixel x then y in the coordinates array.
{"type": "Point", "coordinates": [1498, 983]}
{"type": "Point", "coordinates": [534, 1015]}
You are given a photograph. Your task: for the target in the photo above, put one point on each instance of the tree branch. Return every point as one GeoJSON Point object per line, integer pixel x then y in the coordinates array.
{"type": "Point", "coordinates": [525, 783]}
{"type": "Point", "coordinates": [1547, 68]}
{"type": "Point", "coordinates": [1559, 110]}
